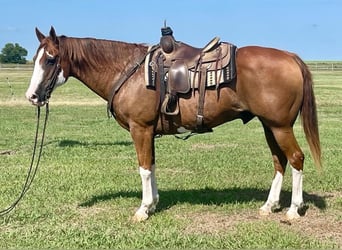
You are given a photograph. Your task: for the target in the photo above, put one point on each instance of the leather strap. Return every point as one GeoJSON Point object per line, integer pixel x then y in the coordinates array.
{"type": "Point", "coordinates": [166, 121]}
{"type": "Point", "coordinates": [200, 109]}
{"type": "Point", "coordinates": [160, 63]}
{"type": "Point", "coordinates": [52, 81]}
{"type": "Point", "coordinates": [126, 75]}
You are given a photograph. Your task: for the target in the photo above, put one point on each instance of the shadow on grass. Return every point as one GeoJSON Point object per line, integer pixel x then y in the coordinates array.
{"type": "Point", "coordinates": [208, 196]}
{"type": "Point", "coordinates": [74, 143]}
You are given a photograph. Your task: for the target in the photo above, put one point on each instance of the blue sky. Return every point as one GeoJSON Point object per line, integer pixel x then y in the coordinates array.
{"type": "Point", "coordinates": [310, 28]}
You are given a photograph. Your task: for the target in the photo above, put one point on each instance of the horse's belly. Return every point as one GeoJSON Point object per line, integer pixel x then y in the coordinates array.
{"type": "Point", "coordinates": [216, 110]}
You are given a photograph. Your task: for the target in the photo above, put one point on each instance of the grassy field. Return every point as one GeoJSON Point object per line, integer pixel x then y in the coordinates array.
{"type": "Point", "coordinates": [210, 186]}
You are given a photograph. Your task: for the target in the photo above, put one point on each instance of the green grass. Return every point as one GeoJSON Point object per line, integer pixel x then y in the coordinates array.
{"type": "Point", "coordinates": [211, 186]}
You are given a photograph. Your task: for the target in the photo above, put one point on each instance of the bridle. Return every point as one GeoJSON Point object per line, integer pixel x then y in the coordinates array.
{"type": "Point", "coordinates": [53, 79]}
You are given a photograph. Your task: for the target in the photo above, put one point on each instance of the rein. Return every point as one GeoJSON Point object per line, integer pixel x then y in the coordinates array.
{"type": "Point", "coordinates": [32, 169]}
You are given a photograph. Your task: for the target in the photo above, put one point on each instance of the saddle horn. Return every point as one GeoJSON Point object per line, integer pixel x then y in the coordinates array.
{"type": "Point", "coordinates": [167, 41]}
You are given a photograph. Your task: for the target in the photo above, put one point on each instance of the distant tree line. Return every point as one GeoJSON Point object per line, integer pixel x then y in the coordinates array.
{"type": "Point", "coordinates": [13, 53]}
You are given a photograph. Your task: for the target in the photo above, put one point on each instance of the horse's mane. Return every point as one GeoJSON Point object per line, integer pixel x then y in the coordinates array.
{"type": "Point", "coordinates": [95, 53]}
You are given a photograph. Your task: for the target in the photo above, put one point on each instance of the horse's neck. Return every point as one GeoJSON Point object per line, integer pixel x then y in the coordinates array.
{"type": "Point", "coordinates": [99, 63]}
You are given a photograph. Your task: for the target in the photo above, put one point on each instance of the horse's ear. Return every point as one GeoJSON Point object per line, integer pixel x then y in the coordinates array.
{"type": "Point", "coordinates": [53, 35]}
{"type": "Point", "coordinates": [40, 35]}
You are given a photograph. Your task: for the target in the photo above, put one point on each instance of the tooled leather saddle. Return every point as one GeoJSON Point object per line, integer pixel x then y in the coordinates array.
{"type": "Point", "coordinates": [181, 67]}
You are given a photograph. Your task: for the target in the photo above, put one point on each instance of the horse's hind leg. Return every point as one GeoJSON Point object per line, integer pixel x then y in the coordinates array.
{"type": "Point", "coordinates": [144, 145]}
{"type": "Point", "coordinates": [279, 162]}
{"type": "Point", "coordinates": [287, 142]}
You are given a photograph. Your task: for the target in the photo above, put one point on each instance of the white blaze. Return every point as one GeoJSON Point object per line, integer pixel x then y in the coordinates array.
{"type": "Point", "coordinates": [37, 75]}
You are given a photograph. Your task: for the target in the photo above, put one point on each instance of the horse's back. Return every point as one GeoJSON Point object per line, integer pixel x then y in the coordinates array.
{"type": "Point", "coordinates": [270, 83]}
{"type": "Point", "coordinates": [261, 60]}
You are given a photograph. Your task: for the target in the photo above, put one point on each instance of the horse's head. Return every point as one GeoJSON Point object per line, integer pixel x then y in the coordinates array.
{"type": "Point", "coordinates": [48, 70]}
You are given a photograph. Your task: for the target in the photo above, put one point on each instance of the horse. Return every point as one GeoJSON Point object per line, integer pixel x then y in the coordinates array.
{"type": "Point", "coordinates": [272, 85]}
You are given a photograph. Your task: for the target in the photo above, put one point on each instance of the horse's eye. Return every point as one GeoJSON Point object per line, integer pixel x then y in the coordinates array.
{"type": "Point", "coordinates": [50, 61]}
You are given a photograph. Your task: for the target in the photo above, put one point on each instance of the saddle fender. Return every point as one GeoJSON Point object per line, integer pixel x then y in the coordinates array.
{"type": "Point", "coordinates": [178, 75]}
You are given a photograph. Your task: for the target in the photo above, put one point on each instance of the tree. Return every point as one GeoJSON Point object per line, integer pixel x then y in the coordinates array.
{"type": "Point", "coordinates": [13, 53]}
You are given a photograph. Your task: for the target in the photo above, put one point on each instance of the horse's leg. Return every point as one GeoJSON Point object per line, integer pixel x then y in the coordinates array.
{"type": "Point", "coordinates": [279, 162]}
{"type": "Point", "coordinates": [144, 145]}
{"type": "Point", "coordinates": [150, 197]}
{"type": "Point", "coordinates": [289, 145]}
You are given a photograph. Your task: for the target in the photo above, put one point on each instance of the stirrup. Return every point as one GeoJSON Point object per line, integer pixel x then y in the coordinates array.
{"type": "Point", "coordinates": [164, 107]}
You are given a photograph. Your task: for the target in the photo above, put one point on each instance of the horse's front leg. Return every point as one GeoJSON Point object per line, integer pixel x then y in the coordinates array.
{"type": "Point", "coordinates": [144, 145]}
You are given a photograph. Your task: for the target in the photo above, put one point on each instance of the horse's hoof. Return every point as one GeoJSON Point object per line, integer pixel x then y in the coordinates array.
{"type": "Point", "coordinates": [266, 209]}
{"type": "Point", "coordinates": [290, 215]}
{"type": "Point", "coordinates": [264, 212]}
{"type": "Point", "coordinates": [140, 216]}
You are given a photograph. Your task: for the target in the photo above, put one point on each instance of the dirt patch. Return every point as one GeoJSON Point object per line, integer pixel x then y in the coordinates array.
{"type": "Point", "coordinates": [208, 146]}
{"type": "Point", "coordinates": [320, 224]}
{"type": "Point", "coordinates": [216, 223]}
{"type": "Point", "coordinates": [90, 211]}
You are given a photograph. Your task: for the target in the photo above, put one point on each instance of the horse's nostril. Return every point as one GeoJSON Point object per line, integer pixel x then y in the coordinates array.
{"type": "Point", "coordinates": [33, 97]}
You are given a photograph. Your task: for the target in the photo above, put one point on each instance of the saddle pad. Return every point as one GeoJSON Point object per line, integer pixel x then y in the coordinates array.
{"type": "Point", "coordinates": [150, 69]}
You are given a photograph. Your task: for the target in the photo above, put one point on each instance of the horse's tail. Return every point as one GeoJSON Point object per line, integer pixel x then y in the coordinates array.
{"type": "Point", "coordinates": [308, 114]}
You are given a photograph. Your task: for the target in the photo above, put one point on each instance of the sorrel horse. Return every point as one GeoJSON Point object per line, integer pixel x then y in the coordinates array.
{"type": "Point", "coordinates": [272, 85]}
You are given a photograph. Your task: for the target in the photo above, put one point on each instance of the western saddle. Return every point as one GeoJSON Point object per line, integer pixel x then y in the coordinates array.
{"type": "Point", "coordinates": [181, 67]}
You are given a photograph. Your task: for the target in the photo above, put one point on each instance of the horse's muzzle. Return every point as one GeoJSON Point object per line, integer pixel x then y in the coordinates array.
{"type": "Point", "coordinates": [34, 99]}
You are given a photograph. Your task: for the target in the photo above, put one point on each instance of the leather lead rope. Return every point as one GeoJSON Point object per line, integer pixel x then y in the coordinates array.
{"type": "Point", "coordinates": [32, 170]}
